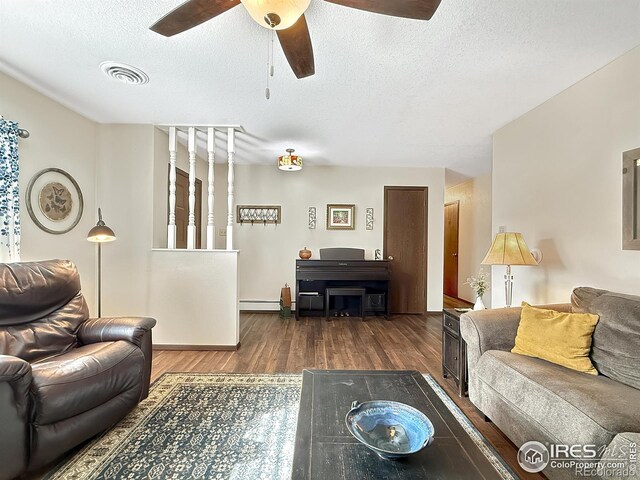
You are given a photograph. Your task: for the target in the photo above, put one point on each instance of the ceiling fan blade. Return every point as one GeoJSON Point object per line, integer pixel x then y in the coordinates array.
{"type": "Point", "coordinates": [296, 44]}
{"type": "Point", "coordinates": [190, 14]}
{"type": "Point", "coordinates": [418, 9]}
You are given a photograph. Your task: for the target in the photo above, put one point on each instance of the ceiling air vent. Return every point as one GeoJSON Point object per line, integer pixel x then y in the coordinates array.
{"type": "Point", "coordinates": [124, 73]}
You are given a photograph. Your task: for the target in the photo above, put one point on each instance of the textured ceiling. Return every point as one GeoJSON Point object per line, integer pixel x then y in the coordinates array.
{"type": "Point", "coordinates": [387, 91]}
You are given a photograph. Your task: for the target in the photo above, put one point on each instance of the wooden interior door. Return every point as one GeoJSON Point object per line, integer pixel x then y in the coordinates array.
{"type": "Point", "coordinates": [451, 230]}
{"type": "Point", "coordinates": [182, 209]}
{"type": "Point", "coordinates": [405, 244]}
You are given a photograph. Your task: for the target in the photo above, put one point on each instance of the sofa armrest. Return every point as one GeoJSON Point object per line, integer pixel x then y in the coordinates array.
{"type": "Point", "coordinates": [15, 380]}
{"type": "Point", "coordinates": [494, 329]}
{"type": "Point", "coordinates": [110, 329]}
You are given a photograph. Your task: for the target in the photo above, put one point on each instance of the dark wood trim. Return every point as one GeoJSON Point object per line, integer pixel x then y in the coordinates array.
{"type": "Point", "coordinates": [221, 348]}
{"type": "Point", "coordinates": [456, 202]}
{"type": "Point", "coordinates": [459, 299]}
{"type": "Point", "coordinates": [425, 250]}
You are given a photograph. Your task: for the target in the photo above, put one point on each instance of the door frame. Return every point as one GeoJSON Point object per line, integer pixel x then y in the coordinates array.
{"type": "Point", "coordinates": [198, 218]}
{"type": "Point", "coordinates": [425, 246]}
{"type": "Point", "coordinates": [455, 202]}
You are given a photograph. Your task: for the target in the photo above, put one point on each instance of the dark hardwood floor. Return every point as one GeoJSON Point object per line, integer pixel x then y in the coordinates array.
{"type": "Point", "coordinates": [270, 344]}
{"type": "Point", "coordinates": [452, 302]}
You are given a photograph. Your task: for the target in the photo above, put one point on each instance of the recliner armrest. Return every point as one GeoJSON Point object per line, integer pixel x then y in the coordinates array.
{"type": "Point", "coordinates": [15, 381]}
{"type": "Point", "coordinates": [110, 329]}
{"type": "Point", "coordinates": [12, 369]}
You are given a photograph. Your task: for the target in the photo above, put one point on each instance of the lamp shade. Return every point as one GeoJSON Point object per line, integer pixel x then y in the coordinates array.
{"type": "Point", "coordinates": [289, 162]}
{"type": "Point", "coordinates": [276, 14]}
{"type": "Point", "coordinates": [509, 248]}
{"type": "Point", "coordinates": [101, 233]}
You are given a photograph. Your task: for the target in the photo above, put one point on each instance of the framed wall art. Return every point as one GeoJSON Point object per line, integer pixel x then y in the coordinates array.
{"type": "Point", "coordinates": [54, 201]}
{"type": "Point", "coordinates": [341, 217]}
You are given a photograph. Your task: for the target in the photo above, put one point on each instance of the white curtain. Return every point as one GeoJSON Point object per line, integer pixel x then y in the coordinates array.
{"type": "Point", "coordinates": [9, 193]}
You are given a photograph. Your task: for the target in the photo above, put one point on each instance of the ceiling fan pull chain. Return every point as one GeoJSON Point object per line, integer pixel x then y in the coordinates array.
{"type": "Point", "coordinates": [273, 36]}
{"type": "Point", "coordinates": [267, 92]}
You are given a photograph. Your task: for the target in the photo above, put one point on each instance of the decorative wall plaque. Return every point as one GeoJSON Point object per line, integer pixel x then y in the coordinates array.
{"type": "Point", "coordinates": [54, 201]}
{"type": "Point", "coordinates": [369, 219]}
{"type": "Point", "coordinates": [312, 218]}
{"type": "Point", "coordinates": [259, 214]}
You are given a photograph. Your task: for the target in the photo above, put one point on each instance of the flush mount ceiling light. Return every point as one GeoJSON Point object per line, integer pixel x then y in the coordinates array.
{"type": "Point", "coordinates": [289, 162]}
{"type": "Point", "coordinates": [276, 14]}
{"type": "Point", "coordinates": [124, 73]}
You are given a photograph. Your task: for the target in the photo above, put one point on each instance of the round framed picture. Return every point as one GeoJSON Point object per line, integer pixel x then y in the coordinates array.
{"type": "Point", "coordinates": [54, 201]}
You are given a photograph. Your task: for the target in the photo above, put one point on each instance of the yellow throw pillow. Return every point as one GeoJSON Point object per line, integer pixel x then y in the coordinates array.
{"type": "Point", "coordinates": [558, 337]}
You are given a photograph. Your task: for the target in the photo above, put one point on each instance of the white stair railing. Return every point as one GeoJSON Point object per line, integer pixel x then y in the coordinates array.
{"type": "Point", "coordinates": [173, 152]}
{"type": "Point", "coordinates": [209, 132]}
{"type": "Point", "coordinates": [211, 229]}
{"type": "Point", "coordinates": [191, 227]}
{"type": "Point", "coordinates": [230, 188]}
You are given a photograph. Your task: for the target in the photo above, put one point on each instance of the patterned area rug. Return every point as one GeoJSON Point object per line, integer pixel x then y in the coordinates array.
{"type": "Point", "coordinates": [199, 426]}
{"type": "Point", "coordinates": [213, 426]}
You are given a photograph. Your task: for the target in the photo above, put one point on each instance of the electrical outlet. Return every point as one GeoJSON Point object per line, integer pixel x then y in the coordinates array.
{"type": "Point", "coordinates": [502, 229]}
{"type": "Point", "coordinates": [222, 232]}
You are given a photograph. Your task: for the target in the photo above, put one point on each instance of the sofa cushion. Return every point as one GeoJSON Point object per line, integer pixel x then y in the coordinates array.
{"type": "Point", "coordinates": [571, 406]}
{"type": "Point", "coordinates": [560, 337]}
{"type": "Point", "coordinates": [84, 378]}
{"type": "Point", "coordinates": [615, 351]}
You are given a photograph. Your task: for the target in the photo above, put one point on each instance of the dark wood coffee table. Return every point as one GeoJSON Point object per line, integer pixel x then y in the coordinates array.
{"type": "Point", "coordinates": [325, 449]}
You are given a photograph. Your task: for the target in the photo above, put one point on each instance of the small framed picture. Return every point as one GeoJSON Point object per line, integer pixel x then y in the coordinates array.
{"type": "Point", "coordinates": [341, 217]}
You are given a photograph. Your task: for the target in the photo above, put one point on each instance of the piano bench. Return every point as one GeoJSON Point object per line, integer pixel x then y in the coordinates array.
{"type": "Point", "coordinates": [344, 292]}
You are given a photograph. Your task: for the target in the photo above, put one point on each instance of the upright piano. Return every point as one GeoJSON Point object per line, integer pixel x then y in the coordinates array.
{"type": "Point", "coordinates": [341, 267]}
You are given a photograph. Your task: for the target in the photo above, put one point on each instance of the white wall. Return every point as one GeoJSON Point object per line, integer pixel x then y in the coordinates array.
{"type": "Point", "coordinates": [474, 233]}
{"type": "Point", "coordinates": [557, 178]}
{"type": "Point", "coordinates": [124, 192]}
{"type": "Point", "coordinates": [117, 167]}
{"type": "Point", "coordinates": [268, 253]}
{"type": "Point", "coordinates": [193, 295]}
{"type": "Point", "coordinates": [63, 139]}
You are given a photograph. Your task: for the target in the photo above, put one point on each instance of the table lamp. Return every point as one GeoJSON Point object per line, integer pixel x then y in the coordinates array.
{"type": "Point", "coordinates": [509, 248]}
{"type": "Point", "coordinates": [100, 234]}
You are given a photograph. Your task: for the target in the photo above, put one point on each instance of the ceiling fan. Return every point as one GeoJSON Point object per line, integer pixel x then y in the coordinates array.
{"type": "Point", "coordinates": [287, 18]}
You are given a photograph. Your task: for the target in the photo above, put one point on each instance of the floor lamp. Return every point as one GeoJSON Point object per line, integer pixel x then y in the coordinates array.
{"type": "Point", "coordinates": [509, 249]}
{"type": "Point", "coordinates": [100, 234]}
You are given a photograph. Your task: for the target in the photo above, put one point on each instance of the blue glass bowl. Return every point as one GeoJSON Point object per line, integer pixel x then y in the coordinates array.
{"type": "Point", "coordinates": [391, 429]}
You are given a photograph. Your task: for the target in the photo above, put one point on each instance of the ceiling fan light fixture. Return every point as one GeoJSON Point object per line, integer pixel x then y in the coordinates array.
{"type": "Point", "coordinates": [276, 14]}
{"type": "Point", "coordinates": [290, 162]}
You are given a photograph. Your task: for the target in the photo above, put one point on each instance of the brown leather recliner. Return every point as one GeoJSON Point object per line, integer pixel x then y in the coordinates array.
{"type": "Point", "coordinates": [63, 376]}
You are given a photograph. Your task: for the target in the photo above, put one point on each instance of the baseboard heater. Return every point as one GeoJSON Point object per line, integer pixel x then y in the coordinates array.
{"type": "Point", "coordinates": [262, 305]}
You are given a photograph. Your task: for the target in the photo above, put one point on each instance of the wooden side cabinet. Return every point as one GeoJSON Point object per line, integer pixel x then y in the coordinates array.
{"type": "Point", "coordinates": [454, 350]}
